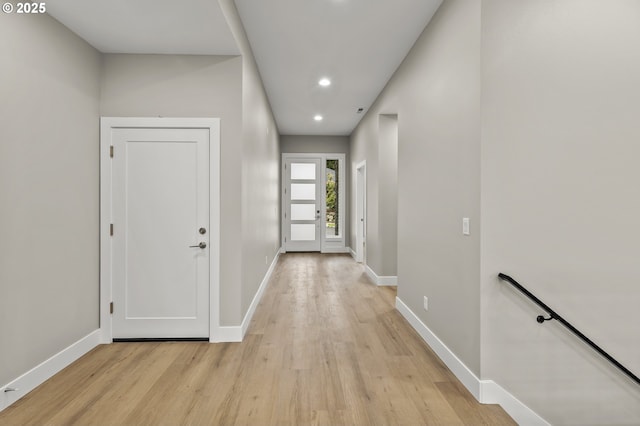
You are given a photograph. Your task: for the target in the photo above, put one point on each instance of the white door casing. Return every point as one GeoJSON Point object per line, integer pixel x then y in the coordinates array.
{"type": "Point", "coordinates": [158, 190]}
{"type": "Point", "coordinates": [361, 212]}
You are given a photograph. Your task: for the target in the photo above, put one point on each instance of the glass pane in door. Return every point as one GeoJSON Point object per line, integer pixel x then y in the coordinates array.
{"type": "Point", "coordinates": [305, 171]}
{"type": "Point", "coordinates": [303, 232]}
{"type": "Point", "coordinates": [303, 191]}
{"type": "Point", "coordinates": [303, 211]}
{"type": "Point", "coordinates": [332, 224]}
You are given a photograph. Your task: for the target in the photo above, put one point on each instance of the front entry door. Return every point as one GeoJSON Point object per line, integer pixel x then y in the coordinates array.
{"type": "Point", "coordinates": [303, 200]}
{"type": "Point", "coordinates": [161, 233]}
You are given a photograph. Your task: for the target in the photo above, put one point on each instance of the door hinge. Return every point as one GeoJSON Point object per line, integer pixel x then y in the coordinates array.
{"type": "Point", "coordinates": [111, 151]}
{"type": "Point", "coordinates": [285, 215]}
{"type": "Point", "coordinates": [285, 239]}
{"type": "Point", "coordinates": [111, 308]}
{"type": "Point", "coordinates": [111, 229]}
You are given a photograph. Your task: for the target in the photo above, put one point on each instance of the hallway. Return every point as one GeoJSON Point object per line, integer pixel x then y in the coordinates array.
{"type": "Point", "coordinates": [325, 347]}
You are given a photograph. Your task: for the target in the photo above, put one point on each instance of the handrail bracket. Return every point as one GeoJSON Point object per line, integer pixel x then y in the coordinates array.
{"type": "Point", "coordinates": [542, 319]}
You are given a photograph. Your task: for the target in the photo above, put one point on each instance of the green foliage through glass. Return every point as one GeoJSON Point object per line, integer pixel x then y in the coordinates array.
{"type": "Point", "coordinates": [332, 198]}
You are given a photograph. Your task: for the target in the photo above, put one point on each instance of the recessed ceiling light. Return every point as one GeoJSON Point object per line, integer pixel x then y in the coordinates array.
{"type": "Point", "coordinates": [318, 118]}
{"type": "Point", "coordinates": [324, 82]}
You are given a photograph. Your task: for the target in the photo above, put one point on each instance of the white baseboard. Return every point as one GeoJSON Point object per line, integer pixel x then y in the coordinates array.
{"type": "Point", "coordinates": [493, 393]}
{"type": "Point", "coordinates": [485, 391]}
{"type": "Point", "coordinates": [226, 334]}
{"type": "Point", "coordinates": [45, 370]}
{"type": "Point", "coordinates": [235, 333]}
{"type": "Point", "coordinates": [461, 371]}
{"type": "Point", "coordinates": [258, 296]}
{"type": "Point", "coordinates": [380, 280]}
{"type": "Point", "coordinates": [336, 250]}
{"type": "Point", "coordinates": [353, 254]}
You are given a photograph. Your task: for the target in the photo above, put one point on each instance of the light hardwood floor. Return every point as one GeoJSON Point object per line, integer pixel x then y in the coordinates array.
{"type": "Point", "coordinates": [325, 347]}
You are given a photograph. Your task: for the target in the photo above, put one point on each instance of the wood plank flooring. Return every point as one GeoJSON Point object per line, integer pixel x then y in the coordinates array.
{"type": "Point", "coordinates": [325, 347]}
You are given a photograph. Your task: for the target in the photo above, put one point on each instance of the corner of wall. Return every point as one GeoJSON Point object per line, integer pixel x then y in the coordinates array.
{"type": "Point", "coordinates": [484, 391]}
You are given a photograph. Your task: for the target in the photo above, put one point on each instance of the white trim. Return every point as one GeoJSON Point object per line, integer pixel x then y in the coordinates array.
{"type": "Point", "coordinates": [236, 333]}
{"type": "Point", "coordinates": [353, 254]}
{"type": "Point", "coordinates": [256, 299]}
{"type": "Point", "coordinates": [108, 123]}
{"type": "Point", "coordinates": [214, 224]}
{"type": "Point", "coordinates": [329, 243]}
{"type": "Point", "coordinates": [485, 391]}
{"type": "Point", "coordinates": [361, 230]}
{"type": "Point", "coordinates": [336, 250]}
{"type": "Point", "coordinates": [380, 280]}
{"type": "Point", "coordinates": [105, 240]}
{"type": "Point", "coordinates": [466, 376]}
{"type": "Point", "coordinates": [47, 369]}
{"type": "Point", "coordinates": [388, 281]}
{"type": "Point", "coordinates": [231, 333]}
{"type": "Point", "coordinates": [493, 393]}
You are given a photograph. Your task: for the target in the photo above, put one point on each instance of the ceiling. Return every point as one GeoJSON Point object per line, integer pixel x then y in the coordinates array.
{"type": "Point", "coordinates": [357, 44]}
{"type": "Point", "coordinates": [192, 27]}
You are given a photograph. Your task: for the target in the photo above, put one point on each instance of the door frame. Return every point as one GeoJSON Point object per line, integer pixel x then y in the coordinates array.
{"type": "Point", "coordinates": [361, 211]}
{"type": "Point", "coordinates": [106, 208]}
{"type": "Point", "coordinates": [327, 245]}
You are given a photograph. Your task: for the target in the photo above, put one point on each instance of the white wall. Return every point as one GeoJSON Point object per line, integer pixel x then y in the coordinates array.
{"type": "Point", "coordinates": [364, 146]}
{"type": "Point", "coordinates": [314, 144]}
{"type": "Point", "coordinates": [191, 86]}
{"type": "Point", "coordinates": [388, 191]}
{"type": "Point", "coordinates": [259, 233]}
{"type": "Point", "coordinates": [539, 121]}
{"type": "Point", "coordinates": [376, 141]}
{"type": "Point", "coordinates": [560, 197]}
{"type": "Point", "coordinates": [48, 190]}
{"type": "Point", "coordinates": [436, 96]}
{"type": "Point", "coordinates": [260, 184]}
{"type": "Point", "coordinates": [229, 88]}
{"type": "Point", "coordinates": [55, 88]}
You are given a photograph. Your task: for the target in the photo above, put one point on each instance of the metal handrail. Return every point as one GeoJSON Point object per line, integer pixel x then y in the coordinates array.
{"type": "Point", "coordinates": [555, 316]}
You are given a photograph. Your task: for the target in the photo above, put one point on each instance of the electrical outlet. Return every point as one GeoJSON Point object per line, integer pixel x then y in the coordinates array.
{"type": "Point", "coordinates": [426, 303]}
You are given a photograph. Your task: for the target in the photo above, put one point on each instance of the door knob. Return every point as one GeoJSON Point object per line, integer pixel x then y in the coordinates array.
{"type": "Point", "coordinates": [201, 245]}
{"type": "Point", "coordinates": [202, 231]}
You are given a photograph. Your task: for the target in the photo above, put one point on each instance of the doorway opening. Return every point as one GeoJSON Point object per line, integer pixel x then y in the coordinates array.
{"type": "Point", "coordinates": [159, 228]}
{"type": "Point", "coordinates": [313, 203]}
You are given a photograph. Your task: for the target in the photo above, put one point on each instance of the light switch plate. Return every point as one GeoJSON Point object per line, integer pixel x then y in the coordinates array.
{"type": "Point", "coordinates": [465, 226]}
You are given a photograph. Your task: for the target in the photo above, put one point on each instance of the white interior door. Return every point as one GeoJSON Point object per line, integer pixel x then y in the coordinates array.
{"type": "Point", "coordinates": [161, 233]}
{"type": "Point", "coordinates": [303, 200]}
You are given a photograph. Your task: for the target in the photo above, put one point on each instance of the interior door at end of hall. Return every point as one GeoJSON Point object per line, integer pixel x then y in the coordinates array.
{"type": "Point", "coordinates": [303, 196]}
{"type": "Point", "coordinates": [160, 244]}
